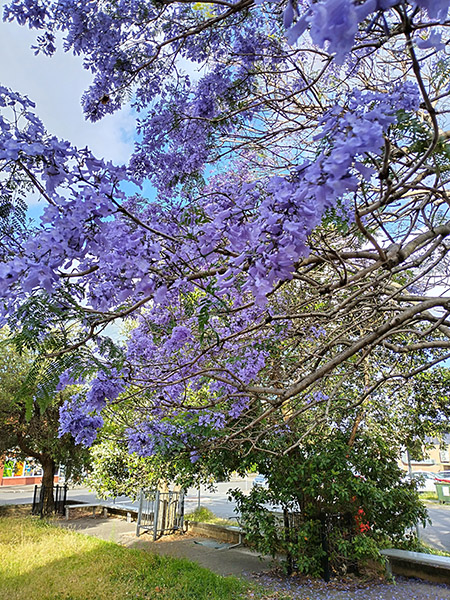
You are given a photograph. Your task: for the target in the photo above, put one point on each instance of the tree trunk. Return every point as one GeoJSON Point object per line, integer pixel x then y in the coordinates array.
{"type": "Point", "coordinates": [48, 473]}
{"type": "Point", "coordinates": [48, 477]}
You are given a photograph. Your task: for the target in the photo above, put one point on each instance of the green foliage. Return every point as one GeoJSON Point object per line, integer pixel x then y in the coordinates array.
{"type": "Point", "coordinates": [432, 392]}
{"type": "Point", "coordinates": [352, 499]}
{"type": "Point", "coordinates": [430, 550]}
{"type": "Point", "coordinates": [115, 472]}
{"type": "Point", "coordinates": [416, 135]}
{"type": "Point", "coordinates": [13, 213]}
{"type": "Point", "coordinates": [30, 429]}
{"type": "Point", "coordinates": [441, 73]}
{"type": "Point", "coordinates": [428, 496]}
{"type": "Point", "coordinates": [45, 330]}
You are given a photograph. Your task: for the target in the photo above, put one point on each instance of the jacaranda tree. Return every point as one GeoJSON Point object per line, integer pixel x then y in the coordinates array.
{"type": "Point", "coordinates": [300, 156]}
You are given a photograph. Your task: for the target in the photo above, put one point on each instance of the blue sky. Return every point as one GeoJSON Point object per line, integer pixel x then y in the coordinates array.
{"type": "Point", "coordinates": [56, 85]}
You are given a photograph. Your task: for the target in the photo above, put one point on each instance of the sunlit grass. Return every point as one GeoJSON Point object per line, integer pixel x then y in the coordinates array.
{"type": "Point", "coordinates": [428, 496]}
{"type": "Point", "coordinates": [42, 562]}
{"type": "Point", "coordinates": [430, 550]}
{"type": "Point", "coordinates": [204, 515]}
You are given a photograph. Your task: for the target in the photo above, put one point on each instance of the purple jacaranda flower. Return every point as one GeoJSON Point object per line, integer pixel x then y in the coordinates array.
{"type": "Point", "coordinates": [436, 9]}
{"type": "Point", "coordinates": [334, 22]}
{"type": "Point", "coordinates": [106, 387]}
{"type": "Point", "coordinates": [434, 40]}
{"type": "Point", "coordinates": [194, 457]}
{"type": "Point", "coordinates": [75, 419]}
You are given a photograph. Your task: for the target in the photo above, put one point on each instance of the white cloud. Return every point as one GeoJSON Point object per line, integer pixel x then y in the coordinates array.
{"type": "Point", "coordinates": [56, 84]}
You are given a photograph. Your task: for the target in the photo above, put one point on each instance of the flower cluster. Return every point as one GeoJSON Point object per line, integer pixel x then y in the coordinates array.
{"type": "Point", "coordinates": [265, 233]}
{"type": "Point", "coordinates": [74, 419]}
{"type": "Point", "coordinates": [105, 388]}
{"type": "Point", "coordinates": [198, 267]}
{"type": "Point", "coordinates": [334, 24]}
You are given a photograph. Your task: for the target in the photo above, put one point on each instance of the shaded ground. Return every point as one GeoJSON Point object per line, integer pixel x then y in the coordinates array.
{"type": "Point", "coordinates": [216, 556]}
{"type": "Point", "coordinates": [402, 589]}
{"type": "Point", "coordinates": [240, 561]}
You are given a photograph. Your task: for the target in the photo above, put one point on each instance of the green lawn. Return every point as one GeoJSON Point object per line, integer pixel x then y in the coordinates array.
{"type": "Point", "coordinates": [428, 496]}
{"type": "Point", "coordinates": [41, 562]}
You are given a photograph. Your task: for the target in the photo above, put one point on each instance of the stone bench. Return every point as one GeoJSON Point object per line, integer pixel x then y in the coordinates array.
{"type": "Point", "coordinates": [430, 567]}
{"type": "Point", "coordinates": [94, 507]}
{"type": "Point", "coordinates": [118, 509]}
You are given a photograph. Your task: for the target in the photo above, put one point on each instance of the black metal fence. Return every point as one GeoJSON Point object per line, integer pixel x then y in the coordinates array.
{"type": "Point", "coordinates": [59, 500]}
{"type": "Point", "coordinates": [328, 530]}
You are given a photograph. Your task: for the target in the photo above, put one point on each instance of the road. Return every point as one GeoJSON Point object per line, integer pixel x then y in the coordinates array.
{"type": "Point", "coordinates": [436, 535]}
{"type": "Point", "coordinates": [216, 501]}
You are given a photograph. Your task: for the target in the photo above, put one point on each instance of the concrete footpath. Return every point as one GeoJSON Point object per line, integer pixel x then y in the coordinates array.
{"type": "Point", "coordinates": [223, 560]}
{"type": "Point", "coordinates": [212, 554]}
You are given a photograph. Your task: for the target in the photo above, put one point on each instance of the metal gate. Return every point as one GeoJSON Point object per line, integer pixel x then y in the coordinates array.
{"type": "Point", "coordinates": [161, 513]}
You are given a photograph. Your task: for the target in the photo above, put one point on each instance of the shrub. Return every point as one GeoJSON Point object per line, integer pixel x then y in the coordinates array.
{"type": "Point", "coordinates": [337, 505]}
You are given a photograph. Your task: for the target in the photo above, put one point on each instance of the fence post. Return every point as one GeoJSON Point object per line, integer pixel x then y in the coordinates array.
{"type": "Point", "coordinates": [181, 510]}
{"type": "Point", "coordinates": [63, 507]}
{"type": "Point", "coordinates": [34, 509]}
{"type": "Point", "coordinates": [139, 516]}
{"type": "Point", "coordinates": [41, 500]}
{"type": "Point", "coordinates": [325, 559]}
{"type": "Point", "coordinates": [156, 515]}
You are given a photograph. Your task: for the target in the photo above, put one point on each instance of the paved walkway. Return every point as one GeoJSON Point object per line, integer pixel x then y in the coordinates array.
{"type": "Point", "coordinates": [214, 555]}
{"type": "Point", "coordinates": [217, 557]}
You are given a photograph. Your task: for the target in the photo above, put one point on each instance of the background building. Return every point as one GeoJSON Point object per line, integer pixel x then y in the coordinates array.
{"type": "Point", "coordinates": [21, 472]}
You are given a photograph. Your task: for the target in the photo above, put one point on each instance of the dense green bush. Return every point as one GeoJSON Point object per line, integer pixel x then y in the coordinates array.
{"type": "Point", "coordinates": [336, 501]}
{"type": "Point", "coordinates": [115, 472]}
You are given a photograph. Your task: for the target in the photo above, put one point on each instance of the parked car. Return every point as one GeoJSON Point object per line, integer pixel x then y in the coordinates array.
{"type": "Point", "coordinates": [443, 475]}
{"type": "Point", "coordinates": [260, 481]}
{"type": "Point", "coordinates": [425, 480]}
